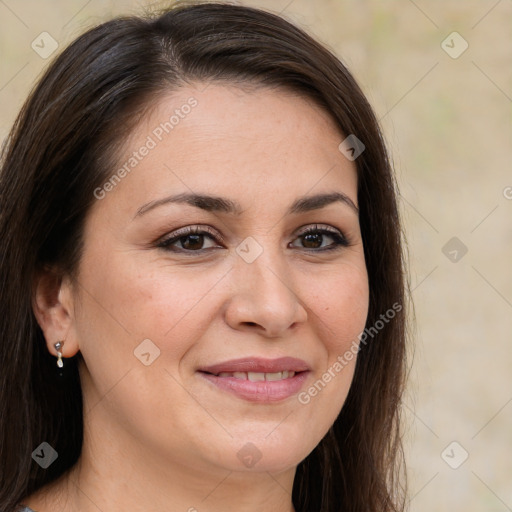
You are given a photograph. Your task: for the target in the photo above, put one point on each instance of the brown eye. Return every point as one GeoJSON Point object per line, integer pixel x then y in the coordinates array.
{"type": "Point", "coordinates": [314, 238]}
{"type": "Point", "coordinates": [192, 242]}
{"type": "Point", "coordinates": [189, 240]}
{"type": "Point", "coordinates": [312, 241]}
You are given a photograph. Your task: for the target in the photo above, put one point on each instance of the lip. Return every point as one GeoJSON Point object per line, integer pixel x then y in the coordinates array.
{"type": "Point", "coordinates": [260, 391]}
{"type": "Point", "coordinates": [258, 364]}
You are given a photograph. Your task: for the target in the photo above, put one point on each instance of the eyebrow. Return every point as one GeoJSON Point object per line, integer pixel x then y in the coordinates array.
{"type": "Point", "coordinates": [225, 205]}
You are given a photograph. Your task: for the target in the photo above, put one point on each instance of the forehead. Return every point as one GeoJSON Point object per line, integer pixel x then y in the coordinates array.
{"type": "Point", "coordinates": [255, 144]}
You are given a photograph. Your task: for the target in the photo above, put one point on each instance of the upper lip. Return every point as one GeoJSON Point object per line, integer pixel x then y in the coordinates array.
{"type": "Point", "coordinates": [258, 365]}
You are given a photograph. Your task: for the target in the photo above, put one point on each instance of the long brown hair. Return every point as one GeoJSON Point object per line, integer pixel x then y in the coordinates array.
{"type": "Point", "coordinates": [63, 146]}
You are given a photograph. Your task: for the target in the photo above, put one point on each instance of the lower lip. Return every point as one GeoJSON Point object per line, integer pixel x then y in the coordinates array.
{"type": "Point", "coordinates": [260, 391]}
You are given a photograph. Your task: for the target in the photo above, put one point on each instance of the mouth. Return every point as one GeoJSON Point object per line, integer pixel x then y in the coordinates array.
{"type": "Point", "coordinates": [257, 379]}
{"type": "Point", "coordinates": [257, 376]}
{"type": "Point", "coordinates": [258, 365]}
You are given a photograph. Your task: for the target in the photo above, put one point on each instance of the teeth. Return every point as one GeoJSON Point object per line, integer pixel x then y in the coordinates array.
{"type": "Point", "coordinates": [258, 376]}
{"type": "Point", "coordinates": [255, 377]}
{"type": "Point", "coordinates": [276, 376]}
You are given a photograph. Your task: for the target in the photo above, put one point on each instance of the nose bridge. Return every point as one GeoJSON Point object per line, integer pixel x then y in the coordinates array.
{"type": "Point", "coordinates": [264, 292]}
{"type": "Point", "coordinates": [264, 266]}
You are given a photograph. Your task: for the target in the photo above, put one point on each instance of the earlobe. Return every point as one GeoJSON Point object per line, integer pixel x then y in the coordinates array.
{"type": "Point", "coordinates": [52, 304]}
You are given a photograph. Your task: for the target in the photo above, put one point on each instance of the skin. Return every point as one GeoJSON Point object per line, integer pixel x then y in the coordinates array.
{"type": "Point", "coordinates": [159, 437]}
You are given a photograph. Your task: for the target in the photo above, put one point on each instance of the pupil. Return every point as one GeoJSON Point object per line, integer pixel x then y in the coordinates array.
{"type": "Point", "coordinates": [312, 240]}
{"type": "Point", "coordinates": [197, 242]}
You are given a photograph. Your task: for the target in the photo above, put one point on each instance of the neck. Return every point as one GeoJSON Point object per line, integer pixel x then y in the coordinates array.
{"type": "Point", "coordinates": [116, 472]}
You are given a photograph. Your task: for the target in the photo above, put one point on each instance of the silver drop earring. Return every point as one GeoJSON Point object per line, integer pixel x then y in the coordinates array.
{"type": "Point", "coordinates": [58, 346]}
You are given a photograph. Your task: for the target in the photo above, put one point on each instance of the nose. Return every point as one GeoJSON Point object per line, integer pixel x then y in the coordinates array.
{"type": "Point", "coordinates": [264, 298]}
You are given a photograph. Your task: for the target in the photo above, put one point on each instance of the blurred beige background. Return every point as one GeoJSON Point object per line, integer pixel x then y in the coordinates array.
{"type": "Point", "coordinates": [446, 113]}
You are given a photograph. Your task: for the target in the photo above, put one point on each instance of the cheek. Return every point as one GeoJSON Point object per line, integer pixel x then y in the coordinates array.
{"type": "Point", "coordinates": [173, 302]}
{"type": "Point", "coordinates": [340, 306]}
{"type": "Point", "coordinates": [170, 305]}
{"type": "Point", "coordinates": [341, 303]}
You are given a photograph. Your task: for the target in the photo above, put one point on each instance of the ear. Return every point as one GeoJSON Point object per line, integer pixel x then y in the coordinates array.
{"type": "Point", "coordinates": [53, 308]}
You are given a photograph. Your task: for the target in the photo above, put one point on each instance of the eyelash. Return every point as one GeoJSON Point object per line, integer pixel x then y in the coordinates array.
{"type": "Point", "coordinates": [340, 240]}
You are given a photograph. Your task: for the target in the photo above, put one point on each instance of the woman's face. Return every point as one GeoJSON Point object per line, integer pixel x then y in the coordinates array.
{"type": "Point", "coordinates": [271, 278]}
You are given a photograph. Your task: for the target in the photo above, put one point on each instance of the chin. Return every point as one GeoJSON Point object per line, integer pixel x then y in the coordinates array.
{"type": "Point", "coordinates": [266, 454]}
